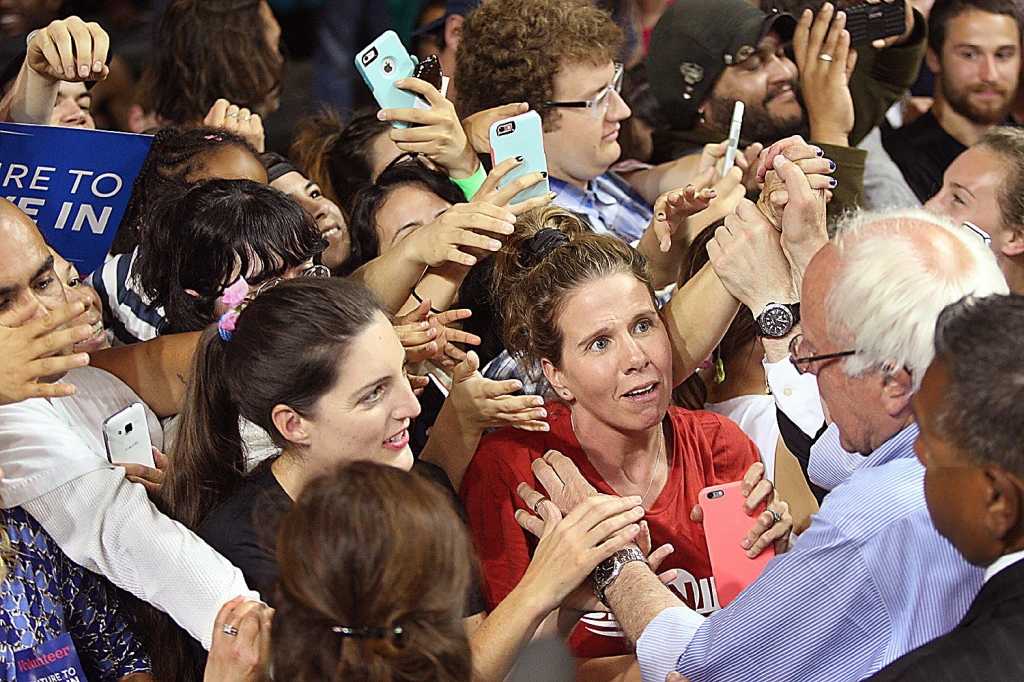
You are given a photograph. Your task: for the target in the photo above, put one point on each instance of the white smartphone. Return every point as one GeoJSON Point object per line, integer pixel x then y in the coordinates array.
{"type": "Point", "coordinates": [734, 138]}
{"type": "Point", "coordinates": [126, 435]}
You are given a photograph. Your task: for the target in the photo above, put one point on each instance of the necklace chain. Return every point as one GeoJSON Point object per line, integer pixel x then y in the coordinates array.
{"type": "Point", "coordinates": [657, 454]}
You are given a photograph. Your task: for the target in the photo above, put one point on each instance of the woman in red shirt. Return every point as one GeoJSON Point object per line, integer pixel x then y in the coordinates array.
{"type": "Point", "coordinates": [581, 306]}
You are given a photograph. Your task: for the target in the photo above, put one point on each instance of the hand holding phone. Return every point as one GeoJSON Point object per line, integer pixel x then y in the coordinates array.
{"type": "Point", "coordinates": [725, 526]}
{"type": "Point", "coordinates": [520, 136]}
{"type": "Point", "coordinates": [383, 62]}
{"type": "Point", "coordinates": [126, 435]}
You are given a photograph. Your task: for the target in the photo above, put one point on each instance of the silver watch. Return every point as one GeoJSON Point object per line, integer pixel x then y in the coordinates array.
{"type": "Point", "coordinates": [608, 570]}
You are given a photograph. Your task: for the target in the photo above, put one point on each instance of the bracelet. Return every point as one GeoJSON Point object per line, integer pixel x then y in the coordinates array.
{"type": "Point", "coordinates": [470, 185]}
{"type": "Point", "coordinates": [420, 300]}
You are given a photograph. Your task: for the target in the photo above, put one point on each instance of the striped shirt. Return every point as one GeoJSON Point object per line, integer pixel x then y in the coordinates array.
{"type": "Point", "coordinates": [870, 580]}
{"type": "Point", "coordinates": [609, 203]}
{"type": "Point", "coordinates": [830, 464]}
{"type": "Point", "coordinates": [126, 310]}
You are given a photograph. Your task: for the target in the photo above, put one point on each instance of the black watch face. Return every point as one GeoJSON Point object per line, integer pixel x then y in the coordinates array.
{"type": "Point", "coordinates": [776, 321]}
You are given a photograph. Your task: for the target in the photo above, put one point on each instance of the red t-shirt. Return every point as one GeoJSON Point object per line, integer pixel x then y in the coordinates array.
{"type": "Point", "coordinates": [708, 450]}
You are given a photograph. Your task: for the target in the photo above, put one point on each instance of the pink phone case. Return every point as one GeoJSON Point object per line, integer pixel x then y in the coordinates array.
{"type": "Point", "coordinates": [725, 526]}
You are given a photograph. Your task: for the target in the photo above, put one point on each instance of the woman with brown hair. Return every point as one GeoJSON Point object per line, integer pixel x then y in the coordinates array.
{"type": "Point", "coordinates": [375, 565]}
{"type": "Point", "coordinates": [581, 306]}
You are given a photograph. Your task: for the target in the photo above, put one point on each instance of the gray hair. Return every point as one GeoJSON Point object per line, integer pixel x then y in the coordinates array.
{"type": "Point", "coordinates": [891, 285]}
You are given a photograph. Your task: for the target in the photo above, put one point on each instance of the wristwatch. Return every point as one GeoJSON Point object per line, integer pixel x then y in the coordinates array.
{"type": "Point", "coordinates": [608, 570]}
{"type": "Point", "coordinates": [778, 319]}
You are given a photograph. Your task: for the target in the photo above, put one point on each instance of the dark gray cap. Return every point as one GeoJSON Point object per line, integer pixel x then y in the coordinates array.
{"type": "Point", "coordinates": [692, 44]}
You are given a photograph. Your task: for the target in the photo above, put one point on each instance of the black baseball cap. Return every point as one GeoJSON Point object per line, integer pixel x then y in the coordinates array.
{"type": "Point", "coordinates": [458, 7]}
{"type": "Point", "coordinates": [692, 44]}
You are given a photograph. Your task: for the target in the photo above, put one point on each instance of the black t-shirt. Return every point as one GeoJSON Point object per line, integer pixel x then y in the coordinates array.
{"type": "Point", "coordinates": [244, 529]}
{"type": "Point", "coordinates": [923, 151]}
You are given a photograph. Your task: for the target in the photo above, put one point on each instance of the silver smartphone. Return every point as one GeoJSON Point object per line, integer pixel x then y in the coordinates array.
{"type": "Point", "coordinates": [126, 435]}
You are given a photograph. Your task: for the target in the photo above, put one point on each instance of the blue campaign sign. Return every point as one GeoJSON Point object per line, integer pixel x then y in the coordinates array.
{"type": "Point", "coordinates": [75, 183]}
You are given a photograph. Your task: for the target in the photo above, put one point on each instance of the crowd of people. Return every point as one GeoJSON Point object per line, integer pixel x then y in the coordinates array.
{"type": "Point", "coordinates": [406, 426]}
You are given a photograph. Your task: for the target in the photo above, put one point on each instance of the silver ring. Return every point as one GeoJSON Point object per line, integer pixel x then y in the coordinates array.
{"type": "Point", "coordinates": [247, 117]}
{"type": "Point", "coordinates": [536, 507]}
{"type": "Point", "coordinates": [233, 114]}
{"type": "Point", "coordinates": [775, 516]}
{"type": "Point", "coordinates": [825, 57]}
{"type": "Point", "coordinates": [229, 629]}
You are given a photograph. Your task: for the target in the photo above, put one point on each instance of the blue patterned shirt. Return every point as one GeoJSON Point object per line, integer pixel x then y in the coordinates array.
{"type": "Point", "coordinates": [611, 205]}
{"type": "Point", "coordinates": [870, 580]}
{"type": "Point", "coordinates": [46, 594]}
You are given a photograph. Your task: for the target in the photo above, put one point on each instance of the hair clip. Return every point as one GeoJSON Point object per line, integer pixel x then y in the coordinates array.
{"type": "Point", "coordinates": [217, 138]}
{"type": "Point", "coordinates": [234, 298]}
{"type": "Point", "coordinates": [545, 241]}
{"type": "Point", "coordinates": [367, 632]}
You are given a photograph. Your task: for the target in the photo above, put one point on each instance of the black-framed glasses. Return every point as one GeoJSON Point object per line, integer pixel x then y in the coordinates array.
{"type": "Point", "coordinates": [803, 364]}
{"type": "Point", "coordinates": [598, 105]}
{"type": "Point", "coordinates": [979, 233]}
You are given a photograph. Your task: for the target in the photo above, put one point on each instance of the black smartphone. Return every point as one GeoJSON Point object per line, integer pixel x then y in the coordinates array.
{"type": "Point", "coordinates": [429, 70]}
{"type": "Point", "coordinates": [868, 22]}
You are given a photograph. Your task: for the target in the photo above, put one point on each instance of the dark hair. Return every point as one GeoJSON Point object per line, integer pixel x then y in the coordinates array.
{"type": "Point", "coordinates": [1008, 143]}
{"type": "Point", "coordinates": [532, 283]}
{"type": "Point", "coordinates": [511, 50]}
{"type": "Point", "coordinates": [338, 156]}
{"type": "Point", "coordinates": [174, 155]}
{"type": "Point", "coordinates": [285, 350]}
{"type": "Point", "coordinates": [980, 343]}
{"type": "Point", "coordinates": [368, 202]}
{"type": "Point", "coordinates": [199, 239]}
{"type": "Point", "coordinates": [204, 50]}
{"type": "Point", "coordinates": [943, 11]}
{"type": "Point", "coordinates": [371, 546]}
{"type": "Point", "coordinates": [636, 91]}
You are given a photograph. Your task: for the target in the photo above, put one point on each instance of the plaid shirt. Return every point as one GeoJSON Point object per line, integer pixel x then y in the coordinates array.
{"type": "Point", "coordinates": [609, 203]}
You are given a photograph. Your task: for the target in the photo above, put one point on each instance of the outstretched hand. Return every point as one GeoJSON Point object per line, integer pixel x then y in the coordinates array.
{"type": "Point", "coordinates": [32, 352]}
{"type": "Point", "coordinates": [70, 50]}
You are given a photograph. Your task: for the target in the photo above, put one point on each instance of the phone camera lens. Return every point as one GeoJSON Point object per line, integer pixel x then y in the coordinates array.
{"type": "Point", "coordinates": [128, 428]}
{"type": "Point", "coordinates": [388, 66]}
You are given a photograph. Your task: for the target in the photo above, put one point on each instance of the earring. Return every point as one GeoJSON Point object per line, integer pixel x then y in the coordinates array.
{"type": "Point", "coordinates": [700, 112]}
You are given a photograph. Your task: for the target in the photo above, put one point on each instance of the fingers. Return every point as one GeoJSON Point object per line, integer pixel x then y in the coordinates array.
{"type": "Point", "coordinates": [215, 116]}
{"type": "Point", "coordinates": [643, 539]}
{"type": "Point", "coordinates": [449, 316]}
{"type": "Point", "coordinates": [753, 474]}
{"type": "Point", "coordinates": [767, 530]}
{"type": "Point", "coordinates": [497, 173]}
{"type": "Point", "coordinates": [659, 555]}
{"type": "Point", "coordinates": [505, 195]}
{"type": "Point", "coordinates": [546, 475]}
{"type": "Point", "coordinates": [160, 459]}
{"type": "Point", "coordinates": [418, 383]}
{"type": "Point", "coordinates": [697, 514]}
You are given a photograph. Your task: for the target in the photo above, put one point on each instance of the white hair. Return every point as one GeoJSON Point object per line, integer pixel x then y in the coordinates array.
{"type": "Point", "coordinates": [893, 281]}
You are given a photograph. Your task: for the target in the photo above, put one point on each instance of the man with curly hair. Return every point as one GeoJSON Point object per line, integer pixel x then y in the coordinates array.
{"type": "Point", "coordinates": [559, 59]}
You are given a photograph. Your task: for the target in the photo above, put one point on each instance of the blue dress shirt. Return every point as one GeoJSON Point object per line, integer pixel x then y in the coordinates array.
{"type": "Point", "coordinates": [870, 580]}
{"type": "Point", "coordinates": [611, 205]}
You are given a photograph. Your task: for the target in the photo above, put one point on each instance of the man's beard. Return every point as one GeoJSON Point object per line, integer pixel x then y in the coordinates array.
{"type": "Point", "coordinates": [958, 98]}
{"type": "Point", "coordinates": [759, 125]}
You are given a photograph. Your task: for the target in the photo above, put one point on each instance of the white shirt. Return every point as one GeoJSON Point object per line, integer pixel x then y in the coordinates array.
{"type": "Point", "coordinates": [796, 395]}
{"type": "Point", "coordinates": [755, 414]}
{"type": "Point", "coordinates": [104, 522]}
{"type": "Point", "coordinates": [99, 395]}
{"type": "Point", "coordinates": [1001, 563]}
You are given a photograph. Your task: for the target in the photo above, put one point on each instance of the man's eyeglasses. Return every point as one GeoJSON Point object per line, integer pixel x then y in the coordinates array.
{"type": "Point", "coordinates": [598, 105]}
{"type": "Point", "coordinates": [803, 363]}
{"type": "Point", "coordinates": [979, 233]}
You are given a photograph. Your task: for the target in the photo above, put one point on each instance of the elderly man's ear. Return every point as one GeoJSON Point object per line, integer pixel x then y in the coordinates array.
{"type": "Point", "coordinates": [897, 390]}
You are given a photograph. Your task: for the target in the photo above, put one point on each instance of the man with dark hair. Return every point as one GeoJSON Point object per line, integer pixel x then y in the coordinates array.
{"type": "Point", "coordinates": [699, 65]}
{"type": "Point", "coordinates": [974, 50]}
{"type": "Point", "coordinates": [971, 413]}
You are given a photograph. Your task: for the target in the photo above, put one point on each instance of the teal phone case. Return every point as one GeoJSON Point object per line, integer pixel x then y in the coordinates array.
{"type": "Point", "coordinates": [523, 136]}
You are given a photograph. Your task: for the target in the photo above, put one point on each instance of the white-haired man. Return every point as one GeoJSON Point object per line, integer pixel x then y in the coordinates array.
{"type": "Point", "coordinates": [872, 578]}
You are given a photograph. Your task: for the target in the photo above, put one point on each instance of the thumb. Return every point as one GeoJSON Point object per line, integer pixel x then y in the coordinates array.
{"type": "Point", "coordinates": [467, 367]}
